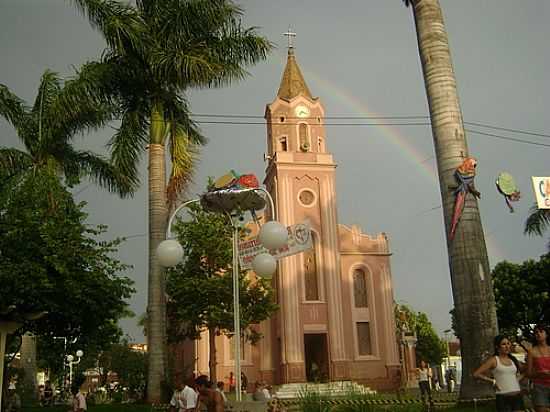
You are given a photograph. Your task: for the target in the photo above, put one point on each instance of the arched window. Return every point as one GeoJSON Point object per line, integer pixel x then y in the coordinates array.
{"type": "Point", "coordinates": [310, 274]}
{"type": "Point", "coordinates": [283, 145]}
{"type": "Point", "coordinates": [304, 140]}
{"type": "Point", "coordinates": [360, 288]}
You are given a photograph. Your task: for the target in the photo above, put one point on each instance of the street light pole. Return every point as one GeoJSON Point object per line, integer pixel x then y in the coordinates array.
{"type": "Point", "coordinates": [236, 312]}
{"type": "Point", "coordinates": [231, 202]}
{"type": "Point", "coordinates": [71, 362]}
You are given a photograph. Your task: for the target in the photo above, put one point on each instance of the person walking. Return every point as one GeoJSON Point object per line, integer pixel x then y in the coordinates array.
{"type": "Point", "coordinates": [538, 369]}
{"type": "Point", "coordinates": [450, 379]}
{"type": "Point", "coordinates": [424, 374]}
{"type": "Point", "coordinates": [505, 370]}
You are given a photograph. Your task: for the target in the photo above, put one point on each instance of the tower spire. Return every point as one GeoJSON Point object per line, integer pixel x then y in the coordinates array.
{"type": "Point", "coordinates": [292, 83]}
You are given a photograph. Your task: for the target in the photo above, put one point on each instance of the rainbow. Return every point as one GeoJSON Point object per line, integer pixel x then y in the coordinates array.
{"type": "Point", "coordinates": [410, 153]}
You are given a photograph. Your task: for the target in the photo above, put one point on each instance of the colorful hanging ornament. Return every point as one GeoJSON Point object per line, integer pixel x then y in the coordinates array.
{"type": "Point", "coordinates": [464, 176]}
{"type": "Point", "coordinates": [507, 187]}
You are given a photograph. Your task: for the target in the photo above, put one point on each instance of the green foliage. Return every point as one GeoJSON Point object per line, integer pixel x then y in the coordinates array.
{"type": "Point", "coordinates": [157, 51]}
{"type": "Point", "coordinates": [537, 222]}
{"type": "Point", "coordinates": [429, 347]}
{"type": "Point", "coordinates": [51, 261]}
{"type": "Point", "coordinates": [201, 288]}
{"type": "Point", "coordinates": [129, 365]}
{"type": "Point", "coordinates": [60, 112]}
{"type": "Point", "coordinates": [522, 294]}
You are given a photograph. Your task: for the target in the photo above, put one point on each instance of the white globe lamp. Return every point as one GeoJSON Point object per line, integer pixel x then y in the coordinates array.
{"type": "Point", "coordinates": [169, 253]}
{"type": "Point", "coordinates": [79, 353]}
{"type": "Point", "coordinates": [264, 265]}
{"type": "Point", "coordinates": [273, 235]}
{"type": "Point", "coordinates": [70, 358]}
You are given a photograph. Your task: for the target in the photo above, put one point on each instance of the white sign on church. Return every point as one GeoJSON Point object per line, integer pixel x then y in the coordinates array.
{"type": "Point", "coordinates": [299, 240]}
{"type": "Point", "coordinates": [541, 185]}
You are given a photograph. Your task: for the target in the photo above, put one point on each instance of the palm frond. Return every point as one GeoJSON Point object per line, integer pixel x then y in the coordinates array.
{"type": "Point", "coordinates": [82, 104]}
{"type": "Point", "coordinates": [129, 143]}
{"type": "Point", "coordinates": [537, 222]}
{"type": "Point", "coordinates": [120, 24]}
{"type": "Point", "coordinates": [84, 163]}
{"type": "Point", "coordinates": [183, 154]}
{"type": "Point", "coordinates": [12, 108]}
{"type": "Point", "coordinates": [204, 44]}
{"type": "Point", "coordinates": [13, 161]}
{"type": "Point", "coordinates": [49, 88]}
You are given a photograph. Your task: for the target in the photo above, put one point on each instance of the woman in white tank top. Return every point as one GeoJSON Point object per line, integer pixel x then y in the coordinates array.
{"type": "Point", "coordinates": [505, 370]}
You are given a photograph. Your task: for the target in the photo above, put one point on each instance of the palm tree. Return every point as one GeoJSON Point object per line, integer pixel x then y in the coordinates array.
{"type": "Point", "coordinates": [156, 51]}
{"type": "Point", "coordinates": [60, 112]}
{"type": "Point", "coordinates": [469, 265]}
{"type": "Point", "coordinates": [46, 130]}
{"type": "Point", "coordinates": [537, 222]}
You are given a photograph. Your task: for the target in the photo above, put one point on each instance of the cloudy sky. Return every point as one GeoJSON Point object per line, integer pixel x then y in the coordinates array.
{"type": "Point", "coordinates": [360, 57]}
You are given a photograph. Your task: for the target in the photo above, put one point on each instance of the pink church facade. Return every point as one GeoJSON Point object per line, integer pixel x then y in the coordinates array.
{"type": "Point", "coordinates": [336, 318]}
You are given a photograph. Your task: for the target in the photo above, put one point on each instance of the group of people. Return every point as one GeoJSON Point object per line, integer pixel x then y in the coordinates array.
{"type": "Point", "coordinates": [189, 396]}
{"type": "Point", "coordinates": [510, 378]}
{"type": "Point", "coordinates": [427, 380]}
{"type": "Point", "coordinates": [506, 374]}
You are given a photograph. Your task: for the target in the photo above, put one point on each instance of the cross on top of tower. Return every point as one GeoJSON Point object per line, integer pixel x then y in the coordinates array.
{"type": "Point", "coordinates": [290, 34]}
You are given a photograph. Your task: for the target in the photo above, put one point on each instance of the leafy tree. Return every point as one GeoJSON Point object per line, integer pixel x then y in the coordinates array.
{"type": "Point", "coordinates": [157, 50]}
{"type": "Point", "coordinates": [47, 129]}
{"type": "Point", "coordinates": [429, 346]}
{"type": "Point", "coordinates": [51, 261]}
{"type": "Point", "coordinates": [130, 365]}
{"type": "Point", "coordinates": [468, 261]}
{"type": "Point", "coordinates": [201, 288]}
{"type": "Point", "coordinates": [522, 293]}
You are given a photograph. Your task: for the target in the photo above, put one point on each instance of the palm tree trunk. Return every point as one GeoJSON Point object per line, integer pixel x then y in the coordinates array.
{"type": "Point", "coordinates": [156, 309]}
{"type": "Point", "coordinates": [469, 265]}
{"type": "Point", "coordinates": [212, 349]}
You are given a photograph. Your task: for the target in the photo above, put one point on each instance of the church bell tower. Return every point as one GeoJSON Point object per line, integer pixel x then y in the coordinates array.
{"type": "Point", "coordinates": [308, 332]}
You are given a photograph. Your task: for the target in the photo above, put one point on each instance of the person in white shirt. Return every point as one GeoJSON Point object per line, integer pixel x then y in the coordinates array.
{"type": "Point", "coordinates": [184, 398]}
{"type": "Point", "coordinates": [505, 370]}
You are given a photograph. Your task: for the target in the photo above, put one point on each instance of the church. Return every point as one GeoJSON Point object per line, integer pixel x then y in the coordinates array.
{"type": "Point", "coordinates": [336, 317]}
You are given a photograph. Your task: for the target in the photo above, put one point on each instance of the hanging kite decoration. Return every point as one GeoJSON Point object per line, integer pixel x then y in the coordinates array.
{"type": "Point", "coordinates": [231, 192]}
{"type": "Point", "coordinates": [464, 176]}
{"type": "Point", "coordinates": [507, 187]}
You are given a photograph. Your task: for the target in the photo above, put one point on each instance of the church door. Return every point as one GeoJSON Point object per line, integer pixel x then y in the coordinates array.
{"type": "Point", "coordinates": [317, 361]}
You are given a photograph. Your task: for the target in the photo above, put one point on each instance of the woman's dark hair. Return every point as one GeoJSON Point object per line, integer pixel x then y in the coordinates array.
{"type": "Point", "coordinates": [541, 327]}
{"type": "Point", "coordinates": [497, 341]}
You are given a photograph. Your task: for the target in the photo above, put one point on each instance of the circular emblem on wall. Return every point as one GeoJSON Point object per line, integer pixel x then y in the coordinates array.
{"type": "Point", "coordinates": [306, 197]}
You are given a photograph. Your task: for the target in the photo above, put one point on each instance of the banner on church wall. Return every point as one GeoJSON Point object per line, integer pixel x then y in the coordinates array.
{"type": "Point", "coordinates": [541, 185]}
{"type": "Point", "coordinates": [299, 240]}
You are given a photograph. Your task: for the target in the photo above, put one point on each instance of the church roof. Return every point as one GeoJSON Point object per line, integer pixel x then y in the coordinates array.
{"type": "Point", "coordinates": [292, 83]}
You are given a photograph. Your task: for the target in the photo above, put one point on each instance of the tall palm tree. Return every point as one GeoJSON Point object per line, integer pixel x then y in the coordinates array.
{"type": "Point", "coordinates": [469, 265]}
{"type": "Point", "coordinates": [59, 113]}
{"type": "Point", "coordinates": [537, 222]}
{"type": "Point", "coordinates": [156, 51]}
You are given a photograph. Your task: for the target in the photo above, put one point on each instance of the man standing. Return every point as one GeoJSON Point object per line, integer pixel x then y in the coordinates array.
{"type": "Point", "coordinates": [210, 397]}
{"type": "Point", "coordinates": [184, 398]}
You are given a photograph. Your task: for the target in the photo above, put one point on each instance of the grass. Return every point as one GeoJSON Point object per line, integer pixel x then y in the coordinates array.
{"type": "Point", "coordinates": [95, 408]}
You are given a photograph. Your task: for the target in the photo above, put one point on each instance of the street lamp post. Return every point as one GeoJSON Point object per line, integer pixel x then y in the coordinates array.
{"type": "Point", "coordinates": [71, 361]}
{"type": "Point", "coordinates": [272, 235]}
